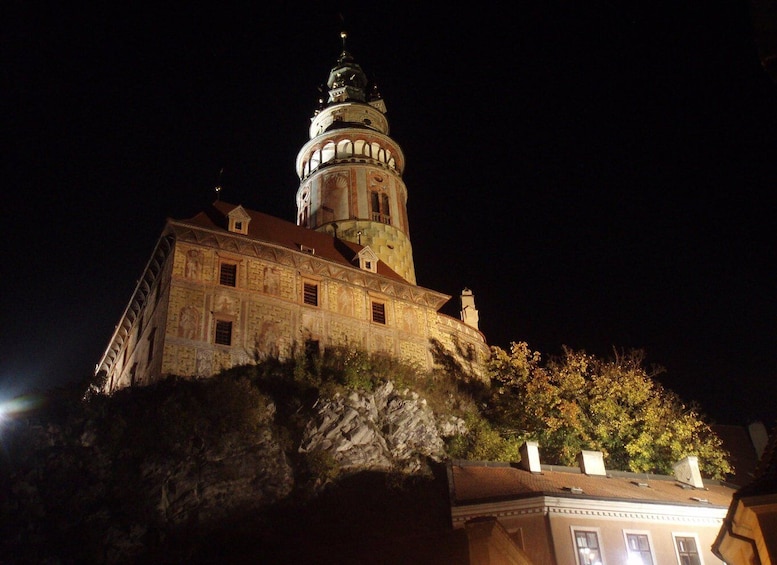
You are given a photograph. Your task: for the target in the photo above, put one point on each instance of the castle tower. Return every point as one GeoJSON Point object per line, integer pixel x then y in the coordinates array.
{"type": "Point", "coordinates": [351, 170]}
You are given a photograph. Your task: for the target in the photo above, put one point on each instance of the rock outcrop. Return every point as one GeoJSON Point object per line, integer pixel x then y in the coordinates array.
{"type": "Point", "coordinates": [385, 430]}
{"type": "Point", "coordinates": [120, 481]}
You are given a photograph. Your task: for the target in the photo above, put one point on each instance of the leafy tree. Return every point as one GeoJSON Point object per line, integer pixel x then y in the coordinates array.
{"type": "Point", "coordinates": [578, 401]}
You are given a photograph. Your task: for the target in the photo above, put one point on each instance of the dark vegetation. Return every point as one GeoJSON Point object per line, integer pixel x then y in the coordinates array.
{"type": "Point", "coordinates": [74, 470]}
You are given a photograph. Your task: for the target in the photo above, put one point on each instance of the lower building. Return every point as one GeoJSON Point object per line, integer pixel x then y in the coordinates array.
{"type": "Point", "coordinates": [748, 535]}
{"type": "Point", "coordinates": [586, 515]}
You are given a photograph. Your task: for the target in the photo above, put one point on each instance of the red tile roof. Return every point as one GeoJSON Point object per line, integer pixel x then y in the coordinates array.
{"type": "Point", "coordinates": [270, 229]}
{"type": "Point", "coordinates": [476, 483]}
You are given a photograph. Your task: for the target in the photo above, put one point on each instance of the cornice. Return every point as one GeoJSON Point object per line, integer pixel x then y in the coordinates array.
{"type": "Point", "coordinates": [592, 509]}
{"type": "Point", "coordinates": [143, 288]}
{"type": "Point", "coordinates": [305, 263]}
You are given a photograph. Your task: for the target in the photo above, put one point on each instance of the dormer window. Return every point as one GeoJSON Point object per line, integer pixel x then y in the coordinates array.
{"type": "Point", "coordinates": [238, 220]}
{"type": "Point", "coordinates": [368, 260]}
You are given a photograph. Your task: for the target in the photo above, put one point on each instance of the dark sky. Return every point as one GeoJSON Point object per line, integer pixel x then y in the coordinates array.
{"type": "Point", "coordinates": [599, 173]}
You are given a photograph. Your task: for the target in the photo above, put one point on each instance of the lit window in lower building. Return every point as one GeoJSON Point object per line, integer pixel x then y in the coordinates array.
{"type": "Point", "coordinates": [639, 549]}
{"type": "Point", "coordinates": [588, 551]}
{"type": "Point", "coordinates": [686, 550]}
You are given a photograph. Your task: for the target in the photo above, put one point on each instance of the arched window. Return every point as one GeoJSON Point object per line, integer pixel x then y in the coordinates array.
{"type": "Point", "coordinates": [344, 149]}
{"type": "Point", "coordinates": [304, 210]}
{"type": "Point", "coordinates": [328, 153]}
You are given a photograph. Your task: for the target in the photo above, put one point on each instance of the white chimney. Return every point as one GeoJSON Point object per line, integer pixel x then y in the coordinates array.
{"type": "Point", "coordinates": [530, 457]}
{"type": "Point", "coordinates": [591, 462]}
{"type": "Point", "coordinates": [687, 471]}
{"type": "Point", "coordinates": [469, 314]}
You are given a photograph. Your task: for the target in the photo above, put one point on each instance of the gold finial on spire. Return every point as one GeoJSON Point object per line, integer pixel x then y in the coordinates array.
{"type": "Point", "coordinates": [343, 36]}
{"type": "Point", "coordinates": [218, 188]}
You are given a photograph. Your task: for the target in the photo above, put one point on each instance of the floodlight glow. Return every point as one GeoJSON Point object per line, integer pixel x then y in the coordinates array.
{"type": "Point", "coordinates": [18, 405]}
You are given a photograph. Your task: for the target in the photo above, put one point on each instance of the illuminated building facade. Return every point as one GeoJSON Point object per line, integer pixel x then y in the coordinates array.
{"type": "Point", "coordinates": [231, 285]}
{"type": "Point", "coordinates": [586, 515]}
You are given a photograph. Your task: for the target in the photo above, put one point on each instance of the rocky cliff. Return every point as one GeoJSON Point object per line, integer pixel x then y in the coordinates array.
{"type": "Point", "coordinates": [156, 472]}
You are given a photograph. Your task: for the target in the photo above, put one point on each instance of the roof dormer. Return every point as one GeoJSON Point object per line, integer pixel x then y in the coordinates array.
{"type": "Point", "coordinates": [368, 260]}
{"type": "Point", "coordinates": [238, 220]}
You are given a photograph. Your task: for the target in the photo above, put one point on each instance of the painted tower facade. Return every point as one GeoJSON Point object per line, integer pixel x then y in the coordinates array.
{"type": "Point", "coordinates": [351, 170]}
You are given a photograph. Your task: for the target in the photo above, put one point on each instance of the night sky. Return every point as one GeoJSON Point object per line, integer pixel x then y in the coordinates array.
{"type": "Point", "coordinates": [600, 174]}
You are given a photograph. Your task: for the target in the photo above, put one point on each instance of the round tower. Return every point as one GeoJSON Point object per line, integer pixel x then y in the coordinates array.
{"type": "Point", "coordinates": [351, 170]}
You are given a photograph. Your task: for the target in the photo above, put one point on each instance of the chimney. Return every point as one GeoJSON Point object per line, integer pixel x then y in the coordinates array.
{"type": "Point", "coordinates": [759, 437]}
{"type": "Point", "coordinates": [591, 462]}
{"type": "Point", "coordinates": [530, 457]}
{"type": "Point", "coordinates": [469, 314]}
{"type": "Point", "coordinates": [687, 471]}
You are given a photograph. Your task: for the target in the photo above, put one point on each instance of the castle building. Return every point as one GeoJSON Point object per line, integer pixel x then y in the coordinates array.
{"type": "Point", "coordinates": [231, 285]}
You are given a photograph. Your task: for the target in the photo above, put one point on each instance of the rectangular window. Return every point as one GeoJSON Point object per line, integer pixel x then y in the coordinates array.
{"type": "Point", "coordinates": [587, 545]}
{"type": "Point", "coordinates": [639, 549]}
{"type": "Point", "coordinates": [223, 332]}
{"type": "Point", "coordinates": [310, 294]}
{"type": "Point", "coordinates": [379, 312]}
{"type": "Point", "coordinates": [687, 554]}
{"type": "Point", "coordinates": [379, 202]}
{"type": "Point", "coordinates": [228, 274]}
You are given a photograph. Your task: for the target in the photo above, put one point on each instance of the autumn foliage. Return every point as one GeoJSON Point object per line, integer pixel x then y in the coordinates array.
{"type": "Point", "coordinates": [578, 401]}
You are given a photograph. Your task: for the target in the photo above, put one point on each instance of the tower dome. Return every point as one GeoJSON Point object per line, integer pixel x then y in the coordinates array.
{"type": "Point", "coordinates": [347, 80]}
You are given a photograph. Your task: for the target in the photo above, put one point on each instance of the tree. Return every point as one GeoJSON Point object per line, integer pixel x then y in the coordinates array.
{"type": "Point", "coordinates": [578, 401]}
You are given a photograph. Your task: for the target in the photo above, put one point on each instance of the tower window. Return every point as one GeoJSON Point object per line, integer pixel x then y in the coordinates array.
{"type": "Point", "coordinates": [310, 294]}
{"type": "Point", "coordinates": [304, 210]}
{"type": "Point", "coordinates": [223, 332]}
{"type": "Point", "coordinates": [228, 274]}
{"type": "Point", "coordinates": [379, 312]}
{"type": "Point", "coordinates": [379, 203]}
